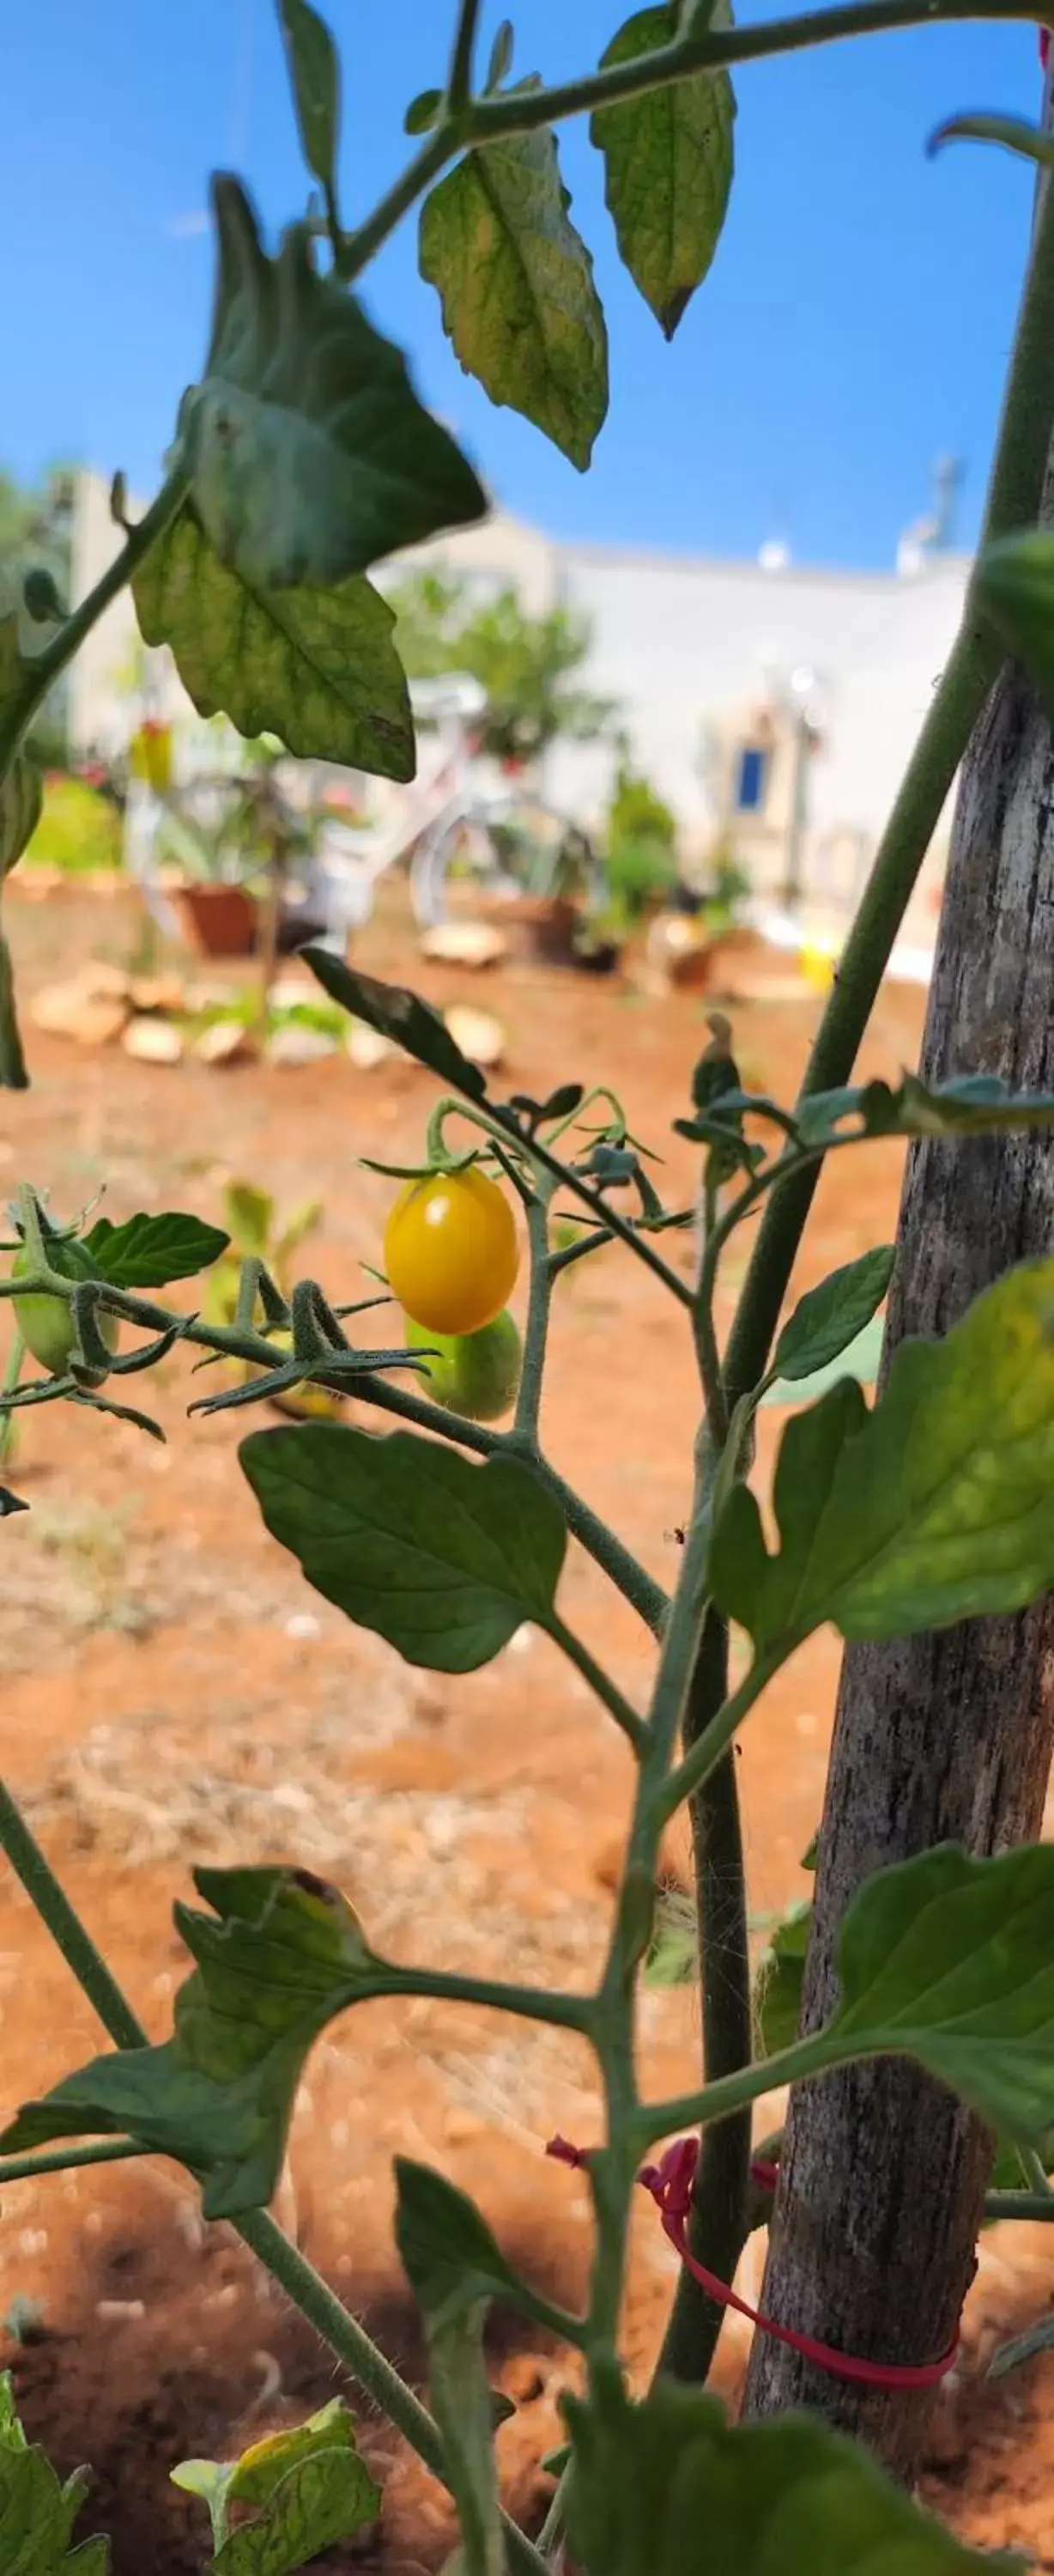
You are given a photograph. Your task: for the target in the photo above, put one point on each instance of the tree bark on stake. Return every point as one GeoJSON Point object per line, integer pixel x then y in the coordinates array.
{"type": "Point", "coordinates": [937, 1738]}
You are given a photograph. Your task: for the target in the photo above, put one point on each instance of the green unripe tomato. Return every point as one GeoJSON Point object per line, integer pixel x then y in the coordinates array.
{"type": "Point", "coordinates": [473, 1374]}
{"type": "Point", "coordinates": [46, 1323]}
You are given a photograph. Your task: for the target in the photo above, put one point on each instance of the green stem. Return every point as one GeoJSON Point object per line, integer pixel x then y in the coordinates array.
{"type": "Point", "coordinates": [259, 2231]}
{"type": "Point", "coordinates": [614, 1223]}
{"type": "Point", "coordinates": [1020, 2204]}
{"type": "Point", "coordinates": [490, 119]}
{"type": "Point", "coordinates": [706, 1347]}
{"type": "Point", "coordinates": [973, 665]}
{"type": "Point", "coordinates": [713, 1742]}
{"type": "Point", "coordinates": [308, 2292]}
{"type": "Point", "coordinates": [359, 247]}
{"type": "Point", "coordinates": [47, 667]}
{"type": "Point", "coordinates": [459, 77]}
{"type": "Point", "coordinates": [655, 2120]}
{"type": "Point", "coordinates": [529, 1398]}
{"type": "Point", "coordinates": [102, 2151]}
{"type": "Point", "coordinates": [65, 1926]}
{"type": "Point", "coordinates": [530, 2003]}
{"type": "Point", "coordinates": [600, 1683]}
{"type": "Point", "coordinates": [718, 2220]}
{"type": "Point", "coordinates": [624, 1570]}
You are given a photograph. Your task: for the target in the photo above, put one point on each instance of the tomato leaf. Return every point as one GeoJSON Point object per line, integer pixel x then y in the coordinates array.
{"type": "Point", "coordinates": [151, 1251]}
{"type": "Point", "coordinates": [444, 1559]}
{"type": "Point", "coordinates": [1021, 2348]}
{"type": "Point", "coordinates": [280, 1954]}
{"type": "Point", "coordinates": [971, 1105]}
{"type": "Point", "coordinates": [21, 795]}
{"type": "Point", "coordinates": [516, 284]}
{"type": "Point", "coordinates": [308, 453]}
{"type": "Point", "coordinates": [324, 2498]}
{"type": "Point", "coordinates": [316, 666]}
{"type": "Point", "coordinates": [448, 2253]}
{"type": "Point", "coordinates": [311, 2486]}
{"type": "Point", "coordinates": [37, 2510]}
{"type": "Point", "coordinates": [861, 1359]}
{"type": "Point", "coordinates": [397, 1014]}
{"type": "Point", "coordinates": [949, 1960]}
{"type": "Point", "coordinates": [830, 1317]}
{"type": "Point", "coordinates": [778, 1981]}
{"type": "Point", "coordinates": [455, 2268]}
{"type": "Point", "coordinates": [314, 70]}
{"type": "Point", "coordinates": [1015, 586]}
{"type": "Point", "coordinates": [937, 1506]}
{"type": "Point", "coordinates": [668, 168]}
{"type": "Point", "coordinates": [783, 2495]}
{"type": "Point", "coordinates": [423, 111]}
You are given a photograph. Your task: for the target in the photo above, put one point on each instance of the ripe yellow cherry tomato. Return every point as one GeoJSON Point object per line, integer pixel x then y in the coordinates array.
{"type": "Point", "coordinates": [450, 1250]}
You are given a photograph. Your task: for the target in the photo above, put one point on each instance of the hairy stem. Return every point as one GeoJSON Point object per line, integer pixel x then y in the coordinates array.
{"type": "Point", "coordinates": [521, 111]}
{"type": "Point", "coordinates": [48, 666]}
{"type": "Point", "coordinates": [259, 2231]}
{"type": "Point", "coordinates": [528, 1401]}
{"type": "Point", "coordinates": [64, 2159]}
{"type": "Point", "coordinates": [717, 2224]}
{"type": "Point", "coordinates": [459, 77]}
{"type": "Point", "coordinates": [600, 1683]}
{"type": "Point", "coordinates": [64, 1924]}
{"type": "Point", "coordinates": [352, 2345]}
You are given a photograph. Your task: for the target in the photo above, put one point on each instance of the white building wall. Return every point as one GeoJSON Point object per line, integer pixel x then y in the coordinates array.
{"type": "Point", "coordinates": [692, 649]}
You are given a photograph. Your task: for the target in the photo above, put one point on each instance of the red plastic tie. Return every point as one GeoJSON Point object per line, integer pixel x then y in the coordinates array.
{"type": "Point", "coordinates": [670, 2184]}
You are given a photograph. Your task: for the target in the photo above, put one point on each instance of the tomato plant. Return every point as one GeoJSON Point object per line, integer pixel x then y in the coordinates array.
{"type": "Point", "coordinates": [925, 1520]}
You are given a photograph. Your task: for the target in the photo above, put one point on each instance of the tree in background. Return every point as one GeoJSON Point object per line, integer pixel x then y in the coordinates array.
{"type": "Point", "coordinates": [526, 664]}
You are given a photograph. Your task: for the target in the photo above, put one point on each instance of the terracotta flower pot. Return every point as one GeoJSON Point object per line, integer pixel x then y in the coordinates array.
{"type": "Point", "coordinates": [221, 920]}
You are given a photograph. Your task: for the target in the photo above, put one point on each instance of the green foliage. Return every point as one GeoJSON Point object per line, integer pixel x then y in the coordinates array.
{"type": "Point", "coordinates": [314, 67]}
{"type": "Point", "coordinates": [668, 168]}
{"type": "Point", "coordinates": [830, 1318]}
{"type": "Point", "coordinates": [444, 1559]}
{"type": "Point", "coordinates": [516, 284]}
{"type": "Point", "coordinates": [37, 2511]}
{"type": "Point", "coordinates": [21, 793]}
{"type": "Point", "coordinates": [397, 1013]}
{"type": "Point", "coordinates": [279, 1956]}
{"type": "Point", "coordinates": [1015, 584]}
{"type": "Point", "coordinates": [308, 453]}
{"type": "Point", "coordinates": [935, 1507]}
{"type": "Point", "coordinates": [455, 2268]}
{"type": "Point", "coordinates": [770, 2498]}
{"type": "Point", "coordinates": [861, 1359]}
{"type": "Point", "coordinates": [948, 1960]}
{"type": "Point", "coordinates": [638, 813]}
{"type": "Point", "coordinates": [152, 1251]}
{"type": "Point", "coordinates": [526, 664]}
{"type": "Point", "coordinates": [78, 829]}
{"type": "Point", "coordinates": [309, 2488]}
{"type": "Point", "coordinates": [640, 873]}
{"type": "Point", "coordinates": [778, 1983]}
{"type": "Point", "coordinates": [315, 666]}
{"type": "Point", "coordinates": [448, 2253]}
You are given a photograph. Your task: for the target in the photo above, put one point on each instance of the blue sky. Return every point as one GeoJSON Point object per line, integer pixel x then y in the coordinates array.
{"type": "Point", "coordinates": [856, 322]}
